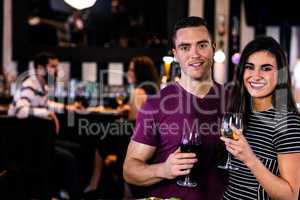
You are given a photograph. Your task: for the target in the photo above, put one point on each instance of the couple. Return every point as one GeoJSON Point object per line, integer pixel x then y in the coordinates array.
{"type": "Point", "coordinates": [267, 153]}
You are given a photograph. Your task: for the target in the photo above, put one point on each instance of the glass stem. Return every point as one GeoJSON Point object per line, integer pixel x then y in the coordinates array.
{"type": "Point", "coordinates": [229, 159]}
{"type": "Point", "coordinates": [187, 178]}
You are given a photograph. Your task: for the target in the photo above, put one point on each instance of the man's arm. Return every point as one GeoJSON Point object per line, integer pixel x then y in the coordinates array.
{"type": "Point", "coordinates": [136, 170]}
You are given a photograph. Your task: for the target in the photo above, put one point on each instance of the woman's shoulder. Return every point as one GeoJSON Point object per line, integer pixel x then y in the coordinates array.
{"type": "Point", "coordinates": [287, 132]}
{"type": "Point", "coordinates": [139, 91]}
{"type": "Point", "coordinates": [285, 118]}
{"type": "Point", "coordinates": [284, 114]}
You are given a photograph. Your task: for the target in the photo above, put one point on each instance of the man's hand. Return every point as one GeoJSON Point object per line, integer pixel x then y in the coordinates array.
{"type": "Point", "coordinates": [137, 171]}
{"type": "Point", "coordinates": [75, 106]}
{"type": "Point", "coordinates": [53, 117]}
{"type": "Point", "coordinates": [178, 164]}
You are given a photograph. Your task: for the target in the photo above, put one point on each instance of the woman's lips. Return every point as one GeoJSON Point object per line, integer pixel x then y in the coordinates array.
{"type": "Point", "coordinates": [257, 85]}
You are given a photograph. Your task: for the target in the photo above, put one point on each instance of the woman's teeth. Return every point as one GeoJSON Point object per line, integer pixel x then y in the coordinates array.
{"type": "Point", "coordinates": [257, 85]}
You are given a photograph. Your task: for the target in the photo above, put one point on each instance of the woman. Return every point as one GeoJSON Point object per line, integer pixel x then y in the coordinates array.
{"type": "Point", "coordinates": [268, 152]}
{"type": "Point", "coordinates": [144, 78]}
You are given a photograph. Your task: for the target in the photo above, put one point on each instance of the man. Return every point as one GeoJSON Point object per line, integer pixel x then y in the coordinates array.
{"type": "Point", "coordinates": [31, 97]}
{"type": "Point", "coordinates": [192, 104]}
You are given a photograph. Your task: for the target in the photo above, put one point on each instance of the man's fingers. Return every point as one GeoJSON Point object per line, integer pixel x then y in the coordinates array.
{"type": "Point", "coordinates": [185, 167]}
{"type": "Point", "coordinates": [184, 161]}
{"type": "Point", "coordinates": [184, 172]}
{"type": "Point", "coordinates": [185, 155]}
{"type": "Point", "coordinates": [177, 150]}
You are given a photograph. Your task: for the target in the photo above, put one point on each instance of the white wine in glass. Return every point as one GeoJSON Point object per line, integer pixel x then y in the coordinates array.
{"type": "Point", "coordinates": [228, 120]}
{"type": "Point", "coordinates": [120, 99]}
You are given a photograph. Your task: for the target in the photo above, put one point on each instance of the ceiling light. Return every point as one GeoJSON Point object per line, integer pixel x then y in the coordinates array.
{"type": "Point", "coordinates": [80, 4]}
{"type": "Point", "coordinates": [168, 59]}
{"type": "Point", "coordinates": [219, 56]}
{"type": "Point", "coordinates": [235, 59]}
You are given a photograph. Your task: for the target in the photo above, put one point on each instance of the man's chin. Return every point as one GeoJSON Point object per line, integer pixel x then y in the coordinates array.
{"type": "Point", "coordinates": [202, 77]}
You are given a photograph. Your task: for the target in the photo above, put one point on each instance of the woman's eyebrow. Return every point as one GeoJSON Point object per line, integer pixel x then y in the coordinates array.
{"type": "Point", "coordinates": [266, 65]}
{"type": "Point", "coordinates": [248, 63]}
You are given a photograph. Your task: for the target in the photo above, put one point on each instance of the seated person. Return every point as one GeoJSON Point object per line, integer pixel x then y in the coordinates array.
{"type": "Point", "coordinates": [144, 79]}
{"type": "Point", "coordinates": [31, 99]}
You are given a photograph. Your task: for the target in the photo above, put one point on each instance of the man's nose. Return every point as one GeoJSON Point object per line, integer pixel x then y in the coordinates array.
{"type": "Point", "coordinates": [195, 52]}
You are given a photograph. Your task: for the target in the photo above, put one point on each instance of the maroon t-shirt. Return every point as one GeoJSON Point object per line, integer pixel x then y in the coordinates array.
{"type": "Point", "coordinates": [161, 122]}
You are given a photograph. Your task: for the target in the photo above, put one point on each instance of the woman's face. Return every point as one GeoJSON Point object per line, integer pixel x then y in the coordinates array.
{"type": "Point", "coordinates": [130, 74]}
{"type": "Point", "coordinates": [260, 75]}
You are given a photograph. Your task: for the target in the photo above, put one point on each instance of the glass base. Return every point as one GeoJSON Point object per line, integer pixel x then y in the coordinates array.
{"type": "Point", "coordinates": [228, 166]}
{"type": "Point", "coordinates": [186, 183]}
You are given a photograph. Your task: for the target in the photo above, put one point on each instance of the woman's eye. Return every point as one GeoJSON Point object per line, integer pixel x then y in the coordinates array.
{"type": "Point", "coordinates": [249, 67]}
{"type": "Point", "coordinates": [266, 68]}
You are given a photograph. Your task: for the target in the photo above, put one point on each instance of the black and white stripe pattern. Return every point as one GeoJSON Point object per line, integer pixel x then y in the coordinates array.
{"type": "Point", "coordinates": [30, 99]}
{"type": "Point", "coordinates": [268, 133]}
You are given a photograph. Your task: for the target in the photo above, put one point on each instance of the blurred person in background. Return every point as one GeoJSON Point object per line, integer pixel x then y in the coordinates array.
{"type": "Point", "coordinates": [31, 99]}
{"type": "Point", "coordinates": [144, 81]}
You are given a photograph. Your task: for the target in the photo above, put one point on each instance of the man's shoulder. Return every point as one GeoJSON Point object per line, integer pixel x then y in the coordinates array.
{"type": "Point", "coordinates": [223, 90]}
{"type": "Point", "coordinates": [30, 82]}
{"type": "Point", "coordinates": [168, 91]}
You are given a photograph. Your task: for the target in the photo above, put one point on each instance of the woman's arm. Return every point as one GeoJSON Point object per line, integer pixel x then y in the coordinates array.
{"type": "Point", "coordinates": [284, 187]}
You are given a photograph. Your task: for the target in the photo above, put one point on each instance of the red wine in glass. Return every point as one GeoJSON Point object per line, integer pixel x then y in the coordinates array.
{"type": "Point", "coordinates": [190, 148]}
{"type": "Point", "coordinates": [190, 143]}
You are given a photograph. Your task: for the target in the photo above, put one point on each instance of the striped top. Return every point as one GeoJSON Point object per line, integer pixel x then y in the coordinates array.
{"type": "Point", "coordinates": [268, 133]}
{"type": "Point", "coordinates": [31, 98]}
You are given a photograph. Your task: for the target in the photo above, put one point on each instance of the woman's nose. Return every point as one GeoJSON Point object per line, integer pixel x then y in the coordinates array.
{"type": "Point", "coordinates": [256, 74]}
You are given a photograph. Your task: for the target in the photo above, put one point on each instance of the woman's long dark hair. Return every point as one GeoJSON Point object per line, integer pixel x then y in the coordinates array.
{"type": "Point", "coordinates": [282, 95]}
{"type": "Point", "coordinates": [146, 74]}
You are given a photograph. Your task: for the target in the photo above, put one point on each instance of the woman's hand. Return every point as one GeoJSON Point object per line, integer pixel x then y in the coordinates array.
{"type": "Point", "coordinates": [239, 148]}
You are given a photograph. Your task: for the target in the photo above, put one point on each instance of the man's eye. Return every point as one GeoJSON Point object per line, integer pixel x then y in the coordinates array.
{"type": "Point", "coordinates": [203, 45]}
{"type": "Point", "coordinates": [184, 48]}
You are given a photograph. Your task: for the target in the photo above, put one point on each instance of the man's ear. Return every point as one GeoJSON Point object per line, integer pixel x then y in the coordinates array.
{"type": "Point", "coordinates": [174, 53]}
{"type": "Point", "coordinates": [214, 46]}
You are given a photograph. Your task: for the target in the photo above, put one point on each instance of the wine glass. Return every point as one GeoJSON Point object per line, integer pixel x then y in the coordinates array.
{"type": "Point", "coordinates": [228, 120]}
{"type": "Point", "coordinates": [120, 99]}
{"type": "Point", "coordinates": [190, 143]}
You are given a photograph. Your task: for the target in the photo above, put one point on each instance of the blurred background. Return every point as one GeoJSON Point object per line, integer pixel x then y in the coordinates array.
{"type": "Point", "coordinates": [95, 42]}
{"type": "Point", "coordinates": [88, 40]}
{"type": "Point", "coordinates": [112, 31]}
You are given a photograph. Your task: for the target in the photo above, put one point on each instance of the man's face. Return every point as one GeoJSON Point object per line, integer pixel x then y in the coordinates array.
{"type": "Point", "coordinates": [194, 51]}
{"type": "Point", "coordinates": [52, 67]}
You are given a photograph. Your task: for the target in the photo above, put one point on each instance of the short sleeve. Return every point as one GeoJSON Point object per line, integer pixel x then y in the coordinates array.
{"type": "Point", "coordinates": [287, 134]}
{"type": "Point", "coordinates": [146, 126]}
